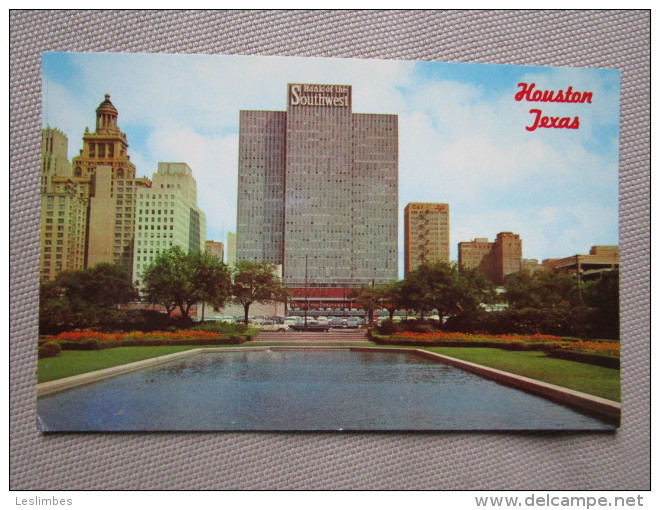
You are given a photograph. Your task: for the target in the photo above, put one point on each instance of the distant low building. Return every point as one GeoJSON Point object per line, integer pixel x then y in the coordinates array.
{"type": "Point", "coordinates": [531, 265]}
{"type": "Point", "coordinates": [215, 249]}
{"type": "Point", "coordinates": [599, 259]}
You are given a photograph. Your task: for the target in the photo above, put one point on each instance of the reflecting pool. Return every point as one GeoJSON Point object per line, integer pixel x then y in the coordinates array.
{"type": "Point", "coordinates": [303, 390]}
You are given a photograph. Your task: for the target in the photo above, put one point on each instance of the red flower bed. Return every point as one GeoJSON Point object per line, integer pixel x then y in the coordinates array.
{"type": "Point", "coordinates": [596, 347]}
{"type": "Point", "coordinates": [136, 335]}
{"type": "Point", "coordinates": [604, 347]}
{"type": "Point", "coordinates": [457, 337]}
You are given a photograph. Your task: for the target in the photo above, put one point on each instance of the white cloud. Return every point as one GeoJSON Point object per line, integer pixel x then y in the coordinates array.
{"type": "Point", "coordinates": [213, 162]}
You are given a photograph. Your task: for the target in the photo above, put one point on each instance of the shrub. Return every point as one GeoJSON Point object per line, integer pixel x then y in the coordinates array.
{"type": "Point", "coordinates": [387, 327]}
{"type": "Point", "coordinates": [418, 326]}
{"type": "Point", "coordinates": [49, 350]}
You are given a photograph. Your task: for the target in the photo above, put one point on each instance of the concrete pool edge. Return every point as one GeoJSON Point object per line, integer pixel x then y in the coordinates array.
{"type": "Point", "coordinates": [601, 407]}
{"type": "Point", "coordinates": [590, 404]}
{"type": "Point", "coordinates": [65, 383]}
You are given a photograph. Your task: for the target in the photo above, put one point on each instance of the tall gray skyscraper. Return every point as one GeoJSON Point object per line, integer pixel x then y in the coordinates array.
{"type": "Point", "coordinates": [318, 189]}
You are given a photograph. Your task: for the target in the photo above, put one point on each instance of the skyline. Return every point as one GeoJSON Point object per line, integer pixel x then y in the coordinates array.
{"type": "Point", "coordinates": [556, 188]}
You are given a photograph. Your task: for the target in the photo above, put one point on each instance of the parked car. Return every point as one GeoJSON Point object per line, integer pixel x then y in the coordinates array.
{"type": "Point", "coordinates": [271, 326]}
{"type": "Point", "coordinates": [338, 322]}
{"type": "Point", "coordinates": [311, 326]}
{"type": "Point", "coordinates": [292, 321]}
{"type": "Point", "coordinates": [353, 322]}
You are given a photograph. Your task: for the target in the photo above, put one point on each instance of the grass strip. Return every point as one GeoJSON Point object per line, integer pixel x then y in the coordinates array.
{"type": "Point", "coordinates": [594, 380]}
{"type": "Point", "coordinates": [70, 363]}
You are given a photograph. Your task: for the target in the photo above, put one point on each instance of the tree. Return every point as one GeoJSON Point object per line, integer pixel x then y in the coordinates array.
{"type": "Point", "coordinates": [445, 288]}
{"type": "Point", "coordinates": [603, 296]}
{"type": "Point", "coordinates": [102, 286]}
{"type": "Point", "coordinates": [256, 282]}
{"type": "Point", "coordinates": [542, 289]}
{"type": "Point", "coordinates": [211, 278]}
{"type": "Point", "coordinates": [548, 301]}
{"type": "Point", "coordinates": [368, 298]}
{"type": "Point", "coordinates": [389, 295]}
{"type": "Point", "coordinates": [179, 279]}
{"type": "Point", "coordinates": [83, 298]}
{"type": "Point", "coordinates": [53, 306]}
{"type": "Point", "coordinates": [383, 295]}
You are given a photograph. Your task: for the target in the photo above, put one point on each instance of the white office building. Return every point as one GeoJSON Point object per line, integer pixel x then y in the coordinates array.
{"type": "Point", "coordinates": [167, 215]}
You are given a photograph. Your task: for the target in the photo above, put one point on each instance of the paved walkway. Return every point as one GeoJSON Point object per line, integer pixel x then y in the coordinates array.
{"type": "Point", "coordinates": [332, 336]}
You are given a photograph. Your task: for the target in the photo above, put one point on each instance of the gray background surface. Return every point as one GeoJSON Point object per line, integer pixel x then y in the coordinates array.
{"type": "Point", "coordinates": [612, 39]}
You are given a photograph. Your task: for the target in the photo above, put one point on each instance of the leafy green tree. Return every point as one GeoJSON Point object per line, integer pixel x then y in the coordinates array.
{"type": "Point", "coordinates": [389, 296]}
{"type": "Point", "coordinates": [603, 296]}
{"type": "Point", "coordinates": [568, 304]}
{"type": "Point", "coordinates": [369, 299]}
{"type": "Point", "coordinates": [212, 279]}
{"type": "Point", "coordinates": [542, 289]}
{"type": "Point", "coordinates": [178, 279]}
{"type": "Point", "coordinates": [83, 298]}
{"type": "Point", "coordinates": [445, 288]}
{"type": "Point", "coordinates": [383, 295]}
{"type": "Point", "coordinates": [53, 305]}
{"type": "Point", "coordinates": [256, 282]}
{"type": "Point", "coordinates": [163, 280]}
{"type": "Point", "coordinates": [101, 286]}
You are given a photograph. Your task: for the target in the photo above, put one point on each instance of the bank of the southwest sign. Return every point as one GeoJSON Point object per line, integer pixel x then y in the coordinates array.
{"type": "Point", "coordinates": [319, 95]}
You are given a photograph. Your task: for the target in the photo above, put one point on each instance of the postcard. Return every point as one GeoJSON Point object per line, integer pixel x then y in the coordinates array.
{"type": "Point", "coordinates": [233, 243]}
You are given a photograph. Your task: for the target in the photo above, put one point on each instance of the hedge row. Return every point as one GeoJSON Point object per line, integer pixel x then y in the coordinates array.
{"type": "Point", "coordinates": [581, 322]}
{"type": "Point", "coordinates": [509, 346]}
{"type": "Point", "coordinates": [585, 357]}
{"type": "Point", "coordinates": [111, 320]}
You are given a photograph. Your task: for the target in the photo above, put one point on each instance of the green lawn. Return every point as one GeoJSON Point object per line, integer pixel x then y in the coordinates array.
{"type": "Point", "coordinates": [70, 363]}
{"type": "Point", "coordinates": [599, 381]}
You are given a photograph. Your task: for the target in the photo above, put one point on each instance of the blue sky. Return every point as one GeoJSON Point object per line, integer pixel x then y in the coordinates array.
{"type": "Point", "coordinates": [462, 136]}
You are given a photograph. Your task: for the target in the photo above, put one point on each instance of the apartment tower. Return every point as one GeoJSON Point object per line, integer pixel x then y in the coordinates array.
{"type": "Point", "coordinates": [63, 209]}
{"type": "Point", "coordinates": [426, 234]}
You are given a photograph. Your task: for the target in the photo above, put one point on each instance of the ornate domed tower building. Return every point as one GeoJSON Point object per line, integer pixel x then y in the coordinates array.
{"type": "Point", "coordinates": [108, 180]}
{"type": "Point", "coordinates": [107, 145]}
